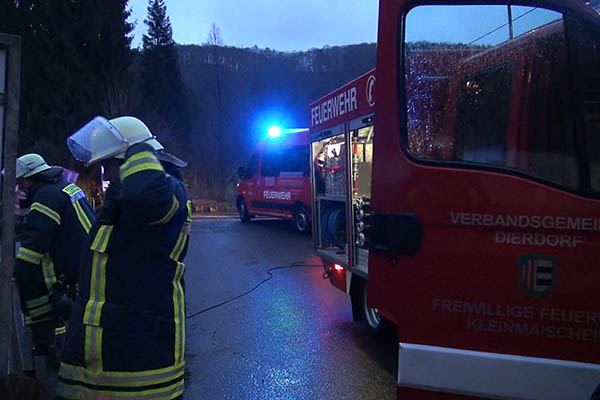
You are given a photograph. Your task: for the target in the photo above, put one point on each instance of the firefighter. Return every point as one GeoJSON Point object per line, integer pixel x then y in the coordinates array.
{"type": "Point", "coordinates": [127, 331]}
{"type": "Point", "coordinates": [52, 239]}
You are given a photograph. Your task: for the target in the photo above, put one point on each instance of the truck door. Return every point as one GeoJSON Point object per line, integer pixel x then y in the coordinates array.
{"type": "Point", "coordinates": [249, 185]}
{"type": "Point", "coordinates": [293, 182]}
{"type": "Point", "coordinates": [485, 228]}
{"type": "Point", "coordinates": [270, 167]}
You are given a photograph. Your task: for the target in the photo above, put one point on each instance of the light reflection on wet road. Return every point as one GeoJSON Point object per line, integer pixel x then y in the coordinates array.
{"type": "Point", "coordinates": [291, 338]}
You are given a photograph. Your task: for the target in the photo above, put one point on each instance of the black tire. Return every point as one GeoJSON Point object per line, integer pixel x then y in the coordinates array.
{"type": "Point", "coordinates": [375, 324]}
{"type": "Point", "coordinates": [301, 219]}
{"type": "Point", "coordinates": [371, 316]}
{"type": "Point", "coordinates": [243, 210]}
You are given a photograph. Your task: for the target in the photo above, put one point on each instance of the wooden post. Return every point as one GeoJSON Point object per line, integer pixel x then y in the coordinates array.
{"type": "Point", "coordinates": [10, 57]}
{"type": "Point", "coordinates": [511, 32]}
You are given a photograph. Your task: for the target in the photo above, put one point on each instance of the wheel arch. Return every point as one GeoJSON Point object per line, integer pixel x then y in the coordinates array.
{"type": "Point", "coordinates": [298, 204]}
{"type": "Point", "coordinates": [356, 293]}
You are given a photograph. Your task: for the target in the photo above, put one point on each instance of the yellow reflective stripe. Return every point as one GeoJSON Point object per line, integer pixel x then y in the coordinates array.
{"type": "Point", "coordinates": [122, 379]}
{"type": "Point", "coordinates": [178, 296]}
{"type": "Point", "coordinates": [140, 162]}
{"type": "Point", "coordinates": [47, 211]}
{"type": "Point", "coordinates": [74, 391]}
{"type": "Point", "coordinates": [37, 312]}
{"type": "Point", "coordinates": [189, 210]}
{"type": "Point", "coordinates": [139, 168]}
{"type": "Point", "coordinates": [48, 271]}
{"type": "Point", "coordinates": [37, 302]}
{"type": "Point", "coordinates": [47, 265]}
{"type": "Point", "coordinates": [29, 255]}
{"type": "Point", "coordinates": [179, 313]}
{"type": "Point", "coordinates": [170, 213]}
{"type": "Point", "coordinates": [93, 307]}
{"type": "Point", "coordinates": [93, 347]}
{"type": "Point", "coordinates": [137, 157]}
{"type": "Point", "coordinates": [82, 373]}
{"type": "Point", "coordinates": [60, 331]}
{"type": "Point", "coordinates": [82, 216]}
{"type": "Point", "coordinates": [102, 238]}
{"type": "Point", "coordinates": [29, 320]}
{"type": "Point", "coordinates": [179, 246]}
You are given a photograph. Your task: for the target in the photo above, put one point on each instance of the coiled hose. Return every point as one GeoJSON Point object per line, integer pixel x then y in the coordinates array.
{"type": "Point", "coordinates": [333, 224]}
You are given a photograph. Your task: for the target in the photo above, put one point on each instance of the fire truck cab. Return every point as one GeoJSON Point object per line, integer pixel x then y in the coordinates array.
{"type": "Point", "coordinates": [462, 202]}
{"type": "Point", "coordinates": [275, 181]}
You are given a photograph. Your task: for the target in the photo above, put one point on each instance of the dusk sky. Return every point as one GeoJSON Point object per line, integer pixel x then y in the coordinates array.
{"type": "Point", "coordinates": [284, 25]}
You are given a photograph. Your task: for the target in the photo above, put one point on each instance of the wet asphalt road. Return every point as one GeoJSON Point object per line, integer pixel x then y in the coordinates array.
{"type": "Point", "coordinates": [291, 338]}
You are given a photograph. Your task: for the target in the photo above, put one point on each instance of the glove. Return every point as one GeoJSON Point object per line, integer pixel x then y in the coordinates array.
{"type": "Point", "coordinates": [63, 306]}
{"type": "Point", "coordinates": [61, 303]}
{"type": "Point", "coordinates": [110, 210]}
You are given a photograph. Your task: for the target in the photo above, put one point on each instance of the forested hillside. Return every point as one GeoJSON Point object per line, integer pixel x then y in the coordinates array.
{"type": "Point", "coordinates": [209, 103]}
{"type": "Point", "coordinates": [234, 94]}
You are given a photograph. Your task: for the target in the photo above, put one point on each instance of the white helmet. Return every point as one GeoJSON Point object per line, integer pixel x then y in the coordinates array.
{"type": "Point", "coordinates": [30, 164]}
{"type": "Point", "coordinates": [100, 139]}
{"type": "Point", "coordinates": [135, 131]}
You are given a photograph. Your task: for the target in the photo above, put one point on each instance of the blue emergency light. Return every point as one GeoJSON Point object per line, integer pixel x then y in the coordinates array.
{"type": "Point", "coordinates": [274, 131]}
{"type": "Point", "coordinates": [277, 132]}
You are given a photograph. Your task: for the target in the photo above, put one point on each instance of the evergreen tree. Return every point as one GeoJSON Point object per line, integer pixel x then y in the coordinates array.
{"type": "Point", "coordinates": [75, 52]}
{"type": "Point", "coordinates": [163, 99]}
{"type": "Point", "coordinates": [160, 31]}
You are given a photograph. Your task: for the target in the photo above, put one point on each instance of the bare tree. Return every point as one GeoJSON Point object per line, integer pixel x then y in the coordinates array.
{"type": "Point", "coordinates": [117, 100]}
{"type": "Point", "coordinates": [215, 43]}
{"type": "Point", "coordinates": [214, 36]}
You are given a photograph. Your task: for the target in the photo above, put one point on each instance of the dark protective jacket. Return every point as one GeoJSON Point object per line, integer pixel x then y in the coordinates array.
{"type": "Point", "coordinates": [127, 332]}
{"type": "Point", "coordinates": [52, 240]}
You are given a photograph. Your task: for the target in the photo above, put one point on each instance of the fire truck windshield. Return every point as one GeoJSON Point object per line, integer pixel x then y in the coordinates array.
{"type": "Point", "coordinates": [504, 93]}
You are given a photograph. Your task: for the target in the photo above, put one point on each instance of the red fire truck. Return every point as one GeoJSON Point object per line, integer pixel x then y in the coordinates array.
{"type": "Point", "coordinates": [464, 207]}
{"type": "Point", "coordinates": [275, 182]}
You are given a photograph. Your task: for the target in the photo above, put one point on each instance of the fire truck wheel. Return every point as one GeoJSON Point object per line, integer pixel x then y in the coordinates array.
{"type": "Point", "coordinates": [371, 315]}
{"type": "Point", "coordinates": [301, 219]}
{"type": "Point", "coordinates": [375, 323]}
{"type": "Point", "coordinates": [243, 210]}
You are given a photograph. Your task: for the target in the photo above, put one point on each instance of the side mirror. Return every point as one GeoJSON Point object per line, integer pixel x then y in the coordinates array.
{"type": "Point", "coordinates": [241, 172]}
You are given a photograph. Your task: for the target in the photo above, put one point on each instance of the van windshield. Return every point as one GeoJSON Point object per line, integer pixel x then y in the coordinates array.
{"type": "Point", "coordinates": [505, 95]}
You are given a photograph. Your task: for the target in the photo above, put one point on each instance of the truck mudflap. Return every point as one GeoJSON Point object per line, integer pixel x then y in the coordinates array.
{"type": "Point", "coordinates": [430, 369]}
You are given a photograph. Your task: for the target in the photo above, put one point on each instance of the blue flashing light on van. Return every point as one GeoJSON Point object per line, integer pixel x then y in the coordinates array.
{"type": "Point", "coordinates": [274, 131]}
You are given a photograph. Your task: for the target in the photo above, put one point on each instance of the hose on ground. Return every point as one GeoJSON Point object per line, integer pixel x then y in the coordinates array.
{"type": "Point", "coordinates": [269, 272]}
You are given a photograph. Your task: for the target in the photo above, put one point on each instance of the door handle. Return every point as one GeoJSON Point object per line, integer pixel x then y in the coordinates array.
{"type": "Point", "coordinates": [399, 233]}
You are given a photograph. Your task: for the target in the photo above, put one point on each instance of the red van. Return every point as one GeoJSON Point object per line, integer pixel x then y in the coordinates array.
{"type": "Point", "coordinates": [275, 181]}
